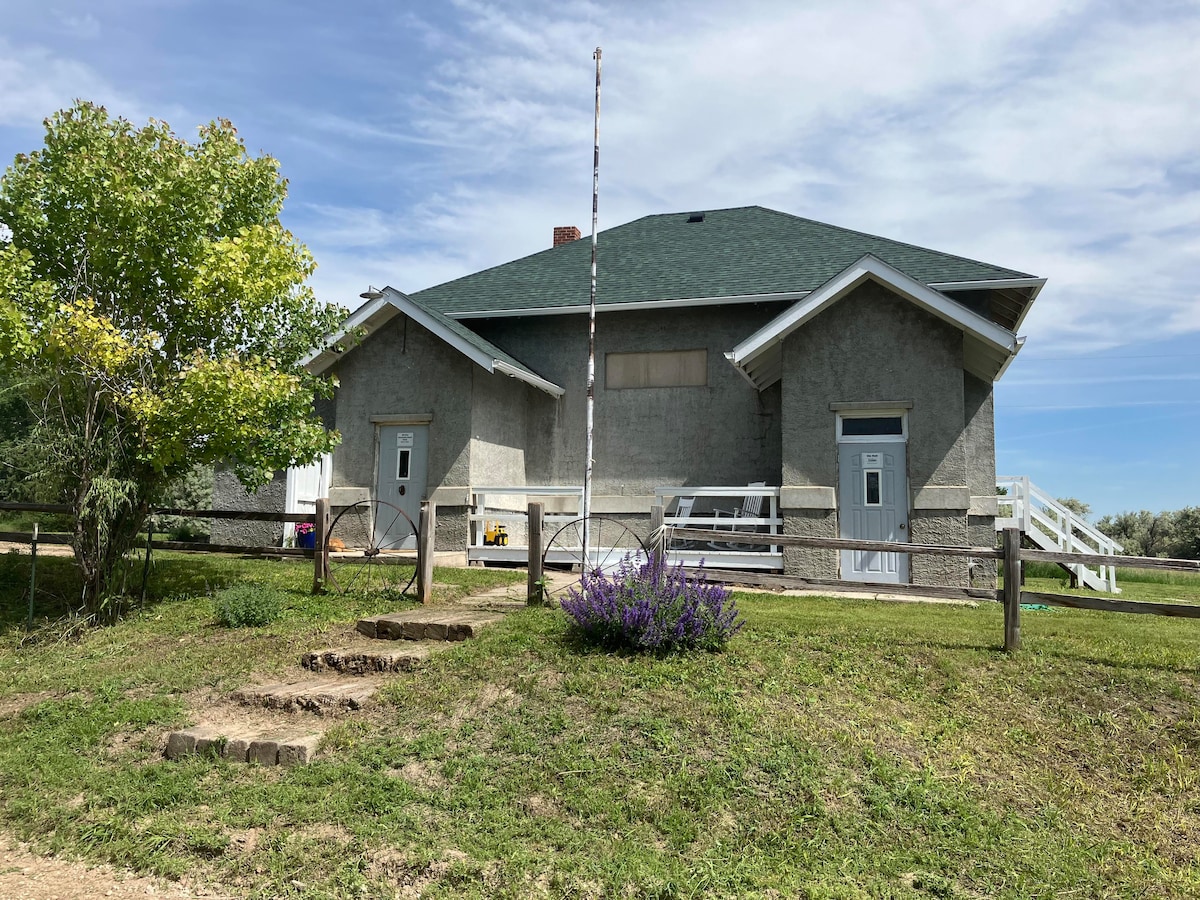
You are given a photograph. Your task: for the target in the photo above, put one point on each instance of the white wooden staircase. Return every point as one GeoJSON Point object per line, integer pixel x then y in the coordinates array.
{"type": "Point", "coordinates": [1051, 526]}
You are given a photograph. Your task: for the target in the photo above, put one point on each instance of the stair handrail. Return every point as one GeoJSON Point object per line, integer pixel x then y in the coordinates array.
{"type": "Point", "coordinates": [1065, 526]}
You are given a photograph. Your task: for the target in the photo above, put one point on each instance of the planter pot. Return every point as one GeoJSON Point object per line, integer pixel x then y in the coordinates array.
{"type": "Point", "coordinates": [307, 541]}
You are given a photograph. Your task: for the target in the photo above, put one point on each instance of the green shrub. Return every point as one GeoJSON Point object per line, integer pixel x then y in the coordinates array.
{"type": "Point", "coordinates": [247, 605]}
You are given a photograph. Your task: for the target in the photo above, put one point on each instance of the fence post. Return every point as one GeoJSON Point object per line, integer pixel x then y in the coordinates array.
{"type": "Point", "coordinates": [658, 534]}
{"type": "Point", "coordinates": [425, 544]}
{"type": "Point", "coordinates": [321, 551]}
{"type": "Point", "coordinates": [1012, 589]}
{"type": "Point", "coordinates": [146, 561]}
{"type": "Point", "coordinates": [32, 575]}
{"type": "Point", "coordinates": [536, 586]}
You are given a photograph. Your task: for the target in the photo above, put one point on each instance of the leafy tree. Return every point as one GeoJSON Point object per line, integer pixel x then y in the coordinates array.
{"type": "Point", "coordinates": [155, 311]}
{"type": "Point", "coordinates": [1186, 537]}
{"type": "Point", "coordinates": [1078, 507]}
{"type": "Point", "coordinates": [16, 424]}
{"type": "Point", "coordinates": [1142, 533]}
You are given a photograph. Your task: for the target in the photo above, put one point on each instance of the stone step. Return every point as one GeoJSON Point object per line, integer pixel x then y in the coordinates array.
{"type": "Point", "coordinates": [268, 747]}
{"type": "Point", "coordinates": [366, 659]}
{"type": "Point", "coordinates": [319, 695]}
{"type": "Point", "coordinates": [428, 624]}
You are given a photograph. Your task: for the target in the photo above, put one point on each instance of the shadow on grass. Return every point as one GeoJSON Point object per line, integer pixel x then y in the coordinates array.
{"type": "Point", "coordinates": [59, 587]}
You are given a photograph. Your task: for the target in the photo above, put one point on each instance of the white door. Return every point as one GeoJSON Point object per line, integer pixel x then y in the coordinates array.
{"type": "Point", "coordinates": [873, 506]}
{"type": "Point", "coordinates": [304, 485]}
{"type": "Point", "coordinates": [403, 460]}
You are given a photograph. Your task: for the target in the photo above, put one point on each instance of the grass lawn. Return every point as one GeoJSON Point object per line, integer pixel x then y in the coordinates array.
{"type": "Point", "coordinates": [838, 749]}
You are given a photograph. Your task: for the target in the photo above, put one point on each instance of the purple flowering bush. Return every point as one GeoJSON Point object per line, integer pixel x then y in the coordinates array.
{"type": "Point", "coordinates": [652, 607]}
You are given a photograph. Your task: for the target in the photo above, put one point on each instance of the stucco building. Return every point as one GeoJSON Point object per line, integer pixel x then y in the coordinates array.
{"type": "Point", "coordinates": [737, 346]}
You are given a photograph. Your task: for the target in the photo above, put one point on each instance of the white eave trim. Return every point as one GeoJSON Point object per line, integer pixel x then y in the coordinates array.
{"type": "Point", "coordinates": [994, 284]}
{"type": "Point", "coordinates": [499, 365]}
{"type": "Point", "coordinates": [318, 361]}
{"type": "Point", "coordinates": [869, 267]}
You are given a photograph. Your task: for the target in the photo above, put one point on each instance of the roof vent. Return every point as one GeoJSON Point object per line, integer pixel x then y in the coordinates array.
{"type": "Point", "coordinates": [695, 217]}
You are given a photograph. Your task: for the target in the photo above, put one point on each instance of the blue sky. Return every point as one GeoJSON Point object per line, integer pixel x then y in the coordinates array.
{"type": "Point", "coordinates": [427, 140]}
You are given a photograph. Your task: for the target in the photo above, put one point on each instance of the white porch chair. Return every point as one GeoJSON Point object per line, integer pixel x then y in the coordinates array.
{"type": "Point", "coordinates": [751, 508]}
{"type": "Point", "coordinates": [683, 510]}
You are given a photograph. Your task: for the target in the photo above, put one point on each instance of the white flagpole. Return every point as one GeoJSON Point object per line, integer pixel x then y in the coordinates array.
{"type": "Point", "coordinates": [591, 363]}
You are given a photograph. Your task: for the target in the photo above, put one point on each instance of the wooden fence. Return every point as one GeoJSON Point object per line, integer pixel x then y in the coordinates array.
{"type": "Point", "coordinates": [319, 553]}
{"type": "Point", "coordinates": [1010, 556]}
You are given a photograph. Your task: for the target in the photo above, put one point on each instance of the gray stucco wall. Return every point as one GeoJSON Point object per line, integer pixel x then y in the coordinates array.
{"type": "Point", "coordinates": [402, 370]}
{"type": "Point", "coordinates": [723, 433]}
{"type": "Point", "coordinates": [980, 436]}
{"type": "Point", "coordinates": [981, 532]}
{"type": "Point", "coordinates": [874, 346]}
{"type": "Point", "coordinates": [498, 428]}
{"type": "Point", "coordinates": [228, 493]}
{"type": "Point", "coordinates": [803, 561]}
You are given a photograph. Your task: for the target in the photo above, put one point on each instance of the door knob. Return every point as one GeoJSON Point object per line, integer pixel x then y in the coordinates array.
{"type": "Point", "coordinates": [902, 526]}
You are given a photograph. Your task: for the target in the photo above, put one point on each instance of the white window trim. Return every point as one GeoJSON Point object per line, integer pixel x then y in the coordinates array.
{"type": "Point", "coordinates": [901, 438]}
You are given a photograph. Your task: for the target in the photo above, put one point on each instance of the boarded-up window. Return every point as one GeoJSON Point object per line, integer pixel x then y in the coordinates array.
{"type": "Point", "coordinates": [666, 368]}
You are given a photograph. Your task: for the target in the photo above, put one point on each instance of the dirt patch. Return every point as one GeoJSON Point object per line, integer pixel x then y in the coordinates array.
{"type": "Point", "coordinates": [408, 880]}
{"type": "Point", "coordinates": [420, 776]}
{"type": "Point", "coordinates": [540, 806]}
{"type": "Point", "coordinates": [25, 875]}
{"type": "Point", "coordinates": [15, 703]}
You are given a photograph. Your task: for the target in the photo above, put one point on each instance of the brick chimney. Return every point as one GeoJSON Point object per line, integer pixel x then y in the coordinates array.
{"type": "Point", "coordinates": [564, 234]}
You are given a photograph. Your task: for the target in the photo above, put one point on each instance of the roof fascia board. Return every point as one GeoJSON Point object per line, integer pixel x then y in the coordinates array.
{"type": "Point", "coordinates": [871, 267]}
{"type": "Point", "coordinates": [484, 360]}
{"type": "Point", "coordinates": [401, 303]}
{"type": "Point", "coordinates": [349, 324]}
{"type": "Point", "coordinates": [635, 305]}
{"type": "Point", "coordinates": [783, 296]}
{"type": "Point", "coordinates": [1008, 362]}
{"type": "Point", "coordinates": [548, 386]}
{"type": "Point", "coordinates": [431, 324]}
{"type": "Point", "coordinates": [993, 284]}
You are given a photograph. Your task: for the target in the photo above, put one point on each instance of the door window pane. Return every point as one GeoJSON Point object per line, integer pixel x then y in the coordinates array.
{"type": "Point", "coordinates": [872, 487]}
{"type": "Point", "coordinates": [402, 460]}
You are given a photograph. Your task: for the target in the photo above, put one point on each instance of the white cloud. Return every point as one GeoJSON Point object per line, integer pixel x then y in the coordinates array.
{"type": "Point", "coordinates": [1049, 137]}
{"type": "Point", "coordinates": [34, 82]}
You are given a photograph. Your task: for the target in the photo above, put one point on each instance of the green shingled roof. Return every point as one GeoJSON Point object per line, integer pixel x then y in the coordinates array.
{"type": "Point", "coordinates": [733, 252]}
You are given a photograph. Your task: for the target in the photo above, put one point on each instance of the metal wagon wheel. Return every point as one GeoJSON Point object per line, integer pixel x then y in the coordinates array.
{"type": "Point", "coordinates": [610, 543]}
{"type": "Point", "coordinates": [366, 549]}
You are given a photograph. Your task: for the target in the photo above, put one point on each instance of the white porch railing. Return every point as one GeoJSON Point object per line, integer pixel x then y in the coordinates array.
{"type": "Point", "coordinates": [1052, 526]}
{"type": "Point", "coordinates": [508, 505]}
{"type": "Point", "coordinates": [727, 499]}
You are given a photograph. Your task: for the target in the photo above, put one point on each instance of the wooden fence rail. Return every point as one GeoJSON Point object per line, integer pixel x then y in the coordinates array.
{"type": "Point", "coordinates": [319, 553]}
{"type": "Point", "coordinates": [1010, 554]}
{"type": "Point", "coordinates": [245, 515]}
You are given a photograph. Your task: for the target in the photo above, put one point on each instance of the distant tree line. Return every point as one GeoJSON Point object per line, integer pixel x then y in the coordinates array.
{"type": "Point", "coordinates": [1174, 533]}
